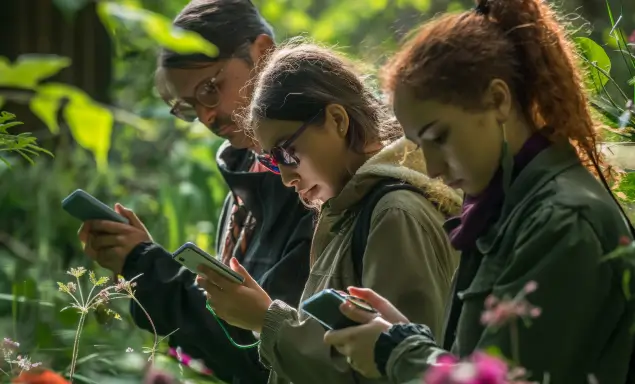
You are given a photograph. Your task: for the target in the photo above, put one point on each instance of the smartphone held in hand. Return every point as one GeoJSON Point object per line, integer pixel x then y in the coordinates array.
{"type": "Point", "coordinates": [83, 206]}
{"type": "Point", "coordinates": [190, 256]}
{"type": "Point", "coordinates": [325, 308]}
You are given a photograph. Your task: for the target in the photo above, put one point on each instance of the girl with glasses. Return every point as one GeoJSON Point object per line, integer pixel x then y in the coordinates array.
{"type": "Point", "coordinates": [322, 128]}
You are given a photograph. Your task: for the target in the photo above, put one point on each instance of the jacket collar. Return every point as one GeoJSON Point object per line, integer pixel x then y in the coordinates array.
{"type": "Point", "coordinates": [549, 163]}
{"type": "Point", "coordinates": [234, 165]}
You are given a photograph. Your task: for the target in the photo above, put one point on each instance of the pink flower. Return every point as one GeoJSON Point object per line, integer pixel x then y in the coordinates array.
{"type": "Point", "coordinates": [530, 287]}
{"type": "Point", "coordinates": [155, 376]}
{"type": "Point", "coordinates": [631, 38]}
{"type": "Point", "coordinates": [441, 371]}
{"type": "Point", "coordinates": [500, 312]}
{"type": "Point", "coordinates": [10, 344]}
{"type": "Point", "coordinates": [625, 240]}
{"type": "Point", "coordinates": [480, 368]}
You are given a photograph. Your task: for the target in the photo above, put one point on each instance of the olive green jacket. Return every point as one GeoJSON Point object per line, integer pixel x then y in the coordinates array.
{"type": "Point", "coordinates": [408, 259]}
{"type": "Point", "coordinates": [556, 224]}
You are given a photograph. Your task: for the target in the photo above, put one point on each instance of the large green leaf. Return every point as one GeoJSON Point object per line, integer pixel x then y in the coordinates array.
{"type": "Point", "coordinates": [29, 70]}
{"type": "Point", "coordinates": [90, 123]}
{"type": "Point", "coordinates": [597, 62]}
{"type": "Point", "coordinates": [158, 27]}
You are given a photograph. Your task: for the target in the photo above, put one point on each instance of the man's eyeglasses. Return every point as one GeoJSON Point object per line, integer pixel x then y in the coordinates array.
{"type": "Point", "coordinates": [281, 154]}
{"type": "Point", "coordinates": [206, 94]}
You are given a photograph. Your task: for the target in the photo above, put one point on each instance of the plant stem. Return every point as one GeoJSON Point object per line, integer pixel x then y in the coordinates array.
{"type": "Point", "coordinates": [5, 372]}
{"type": "Point", "coordinates": [90, 295]}
{"type": "Point", "coordinates": [75, 298]}
{"type": "Point", "coordinates": [79, 288]}
{"type": "Point", "coordinates": [513, 328]}
{"type": "Point", "coordinates": [154, 330]}
{"type": "Point", "coordinates": [76, 345]}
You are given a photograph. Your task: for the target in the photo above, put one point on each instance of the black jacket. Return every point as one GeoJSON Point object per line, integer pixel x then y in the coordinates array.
{"type": "Point", "coordinates": [277, 257]}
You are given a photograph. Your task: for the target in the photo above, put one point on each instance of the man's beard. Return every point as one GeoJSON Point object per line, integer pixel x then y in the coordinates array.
{"type": "Point", "coordinates": [219, 123]}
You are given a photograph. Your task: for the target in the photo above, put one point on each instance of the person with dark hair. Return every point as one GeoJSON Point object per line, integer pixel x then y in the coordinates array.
{"type": "Point", "coordinates": [263, 223]}
{"type": "Point", "coordinates": [496, 100]}
{"type": "Point", "coordinates": [380, 221]}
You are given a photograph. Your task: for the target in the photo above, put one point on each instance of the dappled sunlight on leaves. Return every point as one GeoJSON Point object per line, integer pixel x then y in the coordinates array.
{"type": "Point", "coordinates": [158, 27]}
{"type": "Point", "coordinates": [598, 63]}
{"type": "Point", "coordinates": [30, 69]}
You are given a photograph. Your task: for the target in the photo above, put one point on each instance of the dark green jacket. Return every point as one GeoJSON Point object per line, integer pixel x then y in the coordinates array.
{"type": "Point", "coordinates": [556, 224]}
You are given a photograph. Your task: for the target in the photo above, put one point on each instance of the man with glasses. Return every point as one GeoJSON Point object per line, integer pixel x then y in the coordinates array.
{"type": "Point", "coordinates": [263, 224]}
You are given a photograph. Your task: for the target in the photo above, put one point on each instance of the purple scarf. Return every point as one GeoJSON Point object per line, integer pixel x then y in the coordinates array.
{"type": "Point", "coordinates": [480, 212]}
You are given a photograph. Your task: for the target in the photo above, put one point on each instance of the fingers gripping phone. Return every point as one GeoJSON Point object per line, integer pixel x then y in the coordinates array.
{"type": "Point", "coordinates": [190, 256]}
{"type": "Point", "coordinates": [83, 206]}
{"type": "Point", "coordinates": [325, 308]}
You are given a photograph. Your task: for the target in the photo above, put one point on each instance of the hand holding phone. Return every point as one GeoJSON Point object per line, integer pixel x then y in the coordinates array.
{"type": "Point", "coordinates": [83, 206]}
{"type": "Point", "coordinates": [190, 256]}
{"type": "Point", "coordinates": [325, 308]}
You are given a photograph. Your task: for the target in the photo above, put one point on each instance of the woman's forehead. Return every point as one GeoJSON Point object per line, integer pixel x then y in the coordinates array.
{"type": "Point", "coordinates": [270, 133]}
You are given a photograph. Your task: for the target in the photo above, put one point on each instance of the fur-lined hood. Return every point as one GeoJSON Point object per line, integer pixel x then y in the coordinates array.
{"type": "Point", "coordinates": [400, 160]}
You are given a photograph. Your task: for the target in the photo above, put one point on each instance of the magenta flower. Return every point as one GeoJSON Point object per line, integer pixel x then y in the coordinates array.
{"type": "Point", "coordinates": [500, 312]}
{"type": "Point", "coordinates": [156, 376]}
{"type": "Point", "coordinates": [479, 368]}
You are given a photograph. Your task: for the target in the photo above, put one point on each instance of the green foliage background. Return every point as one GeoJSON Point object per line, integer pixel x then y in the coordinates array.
{"type": "Point", "coordinates": [135, 153]}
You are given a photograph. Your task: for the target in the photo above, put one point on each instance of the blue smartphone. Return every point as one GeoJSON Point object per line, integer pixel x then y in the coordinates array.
{"type": "Point", "coordinates": [325, 308]}
{"type": "Point", "coordinates": [83, 206]}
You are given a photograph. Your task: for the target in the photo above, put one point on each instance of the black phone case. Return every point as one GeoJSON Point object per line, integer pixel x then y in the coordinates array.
{"type": "Point", "coordinates": [325, 308]}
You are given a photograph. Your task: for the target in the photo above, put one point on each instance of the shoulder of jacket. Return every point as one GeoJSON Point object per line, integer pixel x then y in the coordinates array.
{"type": "Point", "coordinates": [412, 203]}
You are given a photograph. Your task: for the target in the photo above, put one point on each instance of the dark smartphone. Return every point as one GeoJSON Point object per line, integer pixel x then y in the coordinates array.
{"type": "Point", "coordinates": [325, 308]}
{"type": "Point", "coordinates": [83, 206]}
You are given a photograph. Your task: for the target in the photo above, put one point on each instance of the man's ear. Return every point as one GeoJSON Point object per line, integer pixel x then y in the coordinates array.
{"type": "Point", "coordinates": [261, 47]}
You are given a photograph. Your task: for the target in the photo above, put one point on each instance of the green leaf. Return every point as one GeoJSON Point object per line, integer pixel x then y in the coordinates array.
{"type": "Point", "coordinates": [158, 27]}
{"type": "Point", "coordinates": [89, 123]}
{"type": "Point", "coordinates": [626, 284]}
{"type": "Point", "coordinates": [44, 105]}
{"type": "Point", "coordinates": [29, 70]}
{"type": "Point", "coordinates": [495, 351]}
{"type": "Point", "coordinates": [6, 116]}
{"type": "Point", "coordinates": [597, 62]}
{"type": "Point", "coordinates": [91, 126]}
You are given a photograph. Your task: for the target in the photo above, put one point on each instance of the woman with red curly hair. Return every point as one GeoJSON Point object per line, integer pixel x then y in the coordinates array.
{"type": "Point", "coordinates": [495, 99]}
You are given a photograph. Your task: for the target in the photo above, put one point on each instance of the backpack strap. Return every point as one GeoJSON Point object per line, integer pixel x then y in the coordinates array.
{"type": "Point", "coordinates": [364, 216]}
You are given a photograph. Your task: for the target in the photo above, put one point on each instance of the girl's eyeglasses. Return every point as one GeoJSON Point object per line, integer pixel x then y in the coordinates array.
{"type": "Point", "coordinates": [281, 154]}
{"type": "Point", "coordinates": [206, 94]}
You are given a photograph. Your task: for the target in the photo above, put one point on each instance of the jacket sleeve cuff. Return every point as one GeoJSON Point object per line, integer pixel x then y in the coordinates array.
{"type": "Point", "coordinates": [388, 341]}
{"type": "Point", "coordinates": [277, 315]}
{"type": "Point", "coordinates": [131, 264]}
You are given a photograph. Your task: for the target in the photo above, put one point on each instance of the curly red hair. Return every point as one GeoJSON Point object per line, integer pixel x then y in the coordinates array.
{"type": "Point", "coordinates": [454, 57]}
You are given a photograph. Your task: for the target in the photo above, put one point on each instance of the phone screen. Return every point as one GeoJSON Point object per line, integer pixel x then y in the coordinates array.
{"type": "Point", "coordinates": [325, 308]}
{"type": "Point", "coordinates": [190, 256]}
